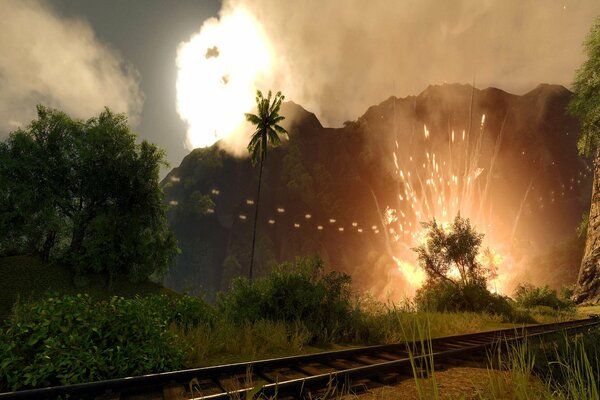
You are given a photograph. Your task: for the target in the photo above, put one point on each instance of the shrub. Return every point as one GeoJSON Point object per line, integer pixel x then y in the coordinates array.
{"type": "Point", "coordinates": [529, 296]}
{"type": "Point", "coordinates": [71, 339]}
{"type": "Point", "coordinates": [447, 297]}
{"type": "Point", "coordinates": [299, 291]}
{"type": "Point", "coordinates": [183, 310]}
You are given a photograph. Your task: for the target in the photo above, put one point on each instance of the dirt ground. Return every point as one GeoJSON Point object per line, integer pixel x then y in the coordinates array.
{"type": "Point", "coordinates": [466, 382]}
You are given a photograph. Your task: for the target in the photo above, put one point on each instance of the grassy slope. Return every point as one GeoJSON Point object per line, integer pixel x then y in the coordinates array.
{"type": "Point", "coordinates": [26, 277]}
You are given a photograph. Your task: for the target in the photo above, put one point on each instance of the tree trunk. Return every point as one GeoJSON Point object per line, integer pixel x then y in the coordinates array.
{"type": "Point", "coordinates": [48, 245]}
{"type": "Point", "coordinates": [255, 218]}
{"type": "Point", "coordinates": [77, 238]}
{"type": "Point", "coordinates": [588, 281]}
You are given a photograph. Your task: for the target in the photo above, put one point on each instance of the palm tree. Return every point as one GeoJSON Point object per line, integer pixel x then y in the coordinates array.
{"type": "Point", "coordinates": [267, 132]}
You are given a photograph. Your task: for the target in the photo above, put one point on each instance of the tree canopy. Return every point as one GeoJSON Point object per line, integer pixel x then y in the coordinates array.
{"type": "Point", "coordinates": [451, 250]}
{"type": "Point", "coordinates": [86, 192]}
{"type": "Point", "coordinates": [585, 104]}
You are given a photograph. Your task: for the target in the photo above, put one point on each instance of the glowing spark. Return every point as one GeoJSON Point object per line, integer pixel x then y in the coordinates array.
{"type": "Point", "coordinates": [242, 217]}
{"type": "Point", "coordinates": [296, 226]}
{"type": "Point", "coordinates": [308, 216]}
{"type": "Point", "coordinates": [175, 179]}
{"type": "Point", "coordinates": [215, 192]}
{"type": "Point", "coordinates": [320, 227]}
{"type": "Point", "coordinates": [173, 202]}
{"type": "Point", "coordinates": [280, 210]}
{"type": "Point", "coordinates": [250, 202]}
{"type": "Point", "coordinates": [341, 229]}
{"type": "Point", "coordinates": [332, 221]}
{"type": "Point", "coordinates": [354, 224]}
{"type": "Point", "coordinates": [271, 221]}
{"type": "Point", "coordinates": [210, 210]}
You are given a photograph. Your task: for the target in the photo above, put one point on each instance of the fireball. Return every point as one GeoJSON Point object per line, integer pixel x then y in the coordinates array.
{"type": "Point", "coordinates": [219, 70]}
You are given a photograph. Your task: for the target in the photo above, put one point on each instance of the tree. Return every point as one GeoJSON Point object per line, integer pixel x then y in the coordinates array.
{"type": "Point", "coordinates": [267, 132]}
{"type": "Point", "coordinates": [451, 248]}
{"type": "Point", "coordinates": [585, 105]}
{"type": "Point", "coordinates": [85, 191]}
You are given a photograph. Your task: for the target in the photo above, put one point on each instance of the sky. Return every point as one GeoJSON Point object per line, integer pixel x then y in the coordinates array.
{"type": "Point", "coordinates": [151, 58]}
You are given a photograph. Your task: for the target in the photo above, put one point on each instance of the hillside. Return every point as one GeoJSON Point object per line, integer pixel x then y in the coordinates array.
{"type": "Point", "coordinates": [356, 195]}
{"type": "Point", "coordinates": [27, 278]}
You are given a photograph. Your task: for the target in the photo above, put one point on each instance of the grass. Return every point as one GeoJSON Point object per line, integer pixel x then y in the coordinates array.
{"type": "Point", "coordinates": [26, 278]}
{"type": "Point", "coordinates": [221, 337]}
{"type": "Point", "coordinates": [227, 342]}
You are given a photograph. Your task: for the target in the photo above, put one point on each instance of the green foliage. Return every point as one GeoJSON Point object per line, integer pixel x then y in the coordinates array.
{"type": "Point", "coordinates": [529, 296]}
{"type": "Point", "coordinates": [585, 103]}
{"type": "Point", "coordinates": [85, 191]}
{"type": "Point", "coordinates": [71, 339]}
{"type": "Point", "coordinates": [299, 291]}
{"type": "Point", "coordinates": [444, 296]}
{"type": "Point", "coordinates": [455, 246]}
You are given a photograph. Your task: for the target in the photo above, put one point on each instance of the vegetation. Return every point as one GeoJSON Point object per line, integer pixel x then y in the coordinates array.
{"type": "Point", "coordinates": [297, 308]}
{"type": "Point", "coordinates": [28, 279]}
{"type": "Point", "coordinates": [84, 192]}
{"type": "Point", "coordinates": [529, 296]}
{"type": "Point", "coordinates": [585, 103]}
{"type": "Point", "coordinates": [456, 281]}
{"type": "Point", "coordinates": [451, 249]}
{"type": "Point", "coordinates": [267, 132]}
{"type": "Point", "coordinates": [71, 339]}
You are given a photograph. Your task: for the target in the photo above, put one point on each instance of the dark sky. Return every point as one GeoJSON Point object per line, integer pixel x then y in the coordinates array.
{"type": "Point", "coordinates": [146, 33]}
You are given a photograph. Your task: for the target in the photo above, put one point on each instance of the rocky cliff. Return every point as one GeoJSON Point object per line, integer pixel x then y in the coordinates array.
{"type": "Point", "coordinates": [356, 195]}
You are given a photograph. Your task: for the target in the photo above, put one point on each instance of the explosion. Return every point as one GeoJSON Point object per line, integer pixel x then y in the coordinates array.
{"type": "Point", "coordinates": [440, 184]}
{"type": "Point", "coordinates": [219, 69]}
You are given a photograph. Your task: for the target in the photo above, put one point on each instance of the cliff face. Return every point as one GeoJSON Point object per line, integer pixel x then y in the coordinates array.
{"type": "Point", "coordinates": [507, 162]}
{"type": "Point", "coordinates": [588, 281]}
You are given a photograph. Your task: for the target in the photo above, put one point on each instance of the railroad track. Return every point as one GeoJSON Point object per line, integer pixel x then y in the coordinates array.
{"type": "Point", "coordinates": [297, 376]}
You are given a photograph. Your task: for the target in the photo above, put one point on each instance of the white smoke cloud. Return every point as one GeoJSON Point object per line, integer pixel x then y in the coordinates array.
{"type": "Point", "coordinates": [338, 57]}
{"type": "Point", "coordinates": [56, 61]}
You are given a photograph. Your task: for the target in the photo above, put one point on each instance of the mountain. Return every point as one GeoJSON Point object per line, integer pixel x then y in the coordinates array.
{"type": "Point", "coordinates": [356, 195]}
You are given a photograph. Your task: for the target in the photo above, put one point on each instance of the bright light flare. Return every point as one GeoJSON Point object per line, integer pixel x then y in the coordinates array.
{"type": "Point", "coordinates": [414, 275]}
{"type": "Point", "coordinates": [218, 73]}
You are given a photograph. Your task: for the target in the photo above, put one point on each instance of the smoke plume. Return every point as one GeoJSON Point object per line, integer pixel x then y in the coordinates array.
{"type": "Point", "coordinates": [338, 57]}
{"type": "Point", "coordinates": [48, 59]}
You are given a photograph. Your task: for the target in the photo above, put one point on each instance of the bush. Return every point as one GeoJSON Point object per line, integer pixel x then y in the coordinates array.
{"type": "Point", "coordinates": [447, 297]}
{"type": "Point", "coordinates": [183, 310]}
{"type": "Point", "coordinates": [529, 296]}
{"type": "Point", "coordinates": [71, 339]}
{"type": "Point", "coordinates": [299, 291]}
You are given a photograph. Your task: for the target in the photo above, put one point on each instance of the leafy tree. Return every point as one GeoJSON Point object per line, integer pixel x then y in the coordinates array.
{"type": "Point", "coordinates": [267, 132]}
{"type": "Point", "coordinates": [84, 190]}
{"type": "Point", "coordinates": [585, 103]}
{"type": "Point", "coordinates": [451, 248]}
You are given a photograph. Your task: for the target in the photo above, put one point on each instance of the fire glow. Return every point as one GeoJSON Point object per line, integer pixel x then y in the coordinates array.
{"type": "Point", "coordinates": [440, 184]}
